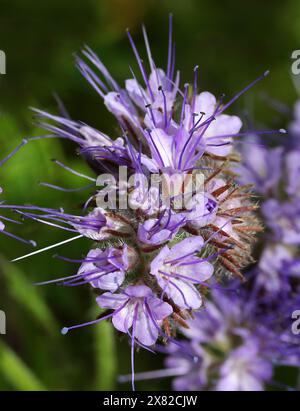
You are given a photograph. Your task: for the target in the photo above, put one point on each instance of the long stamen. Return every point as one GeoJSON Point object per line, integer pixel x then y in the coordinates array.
{"type": "Point", "coordinates": [189, 139]}
{"type": "Point", "coordinates": [186, 87]}
{"type": "Point", "coordinates": [149, 375]}
{"type": "Point", "coordinates": [140, 64]}
{"type": "Point", "coordinates": [204, 127]}
{"type": "Point", "coordinates": [59, 163]}
{"type": "Point", "coordinates": [90, 76]}
{"type": "Point", "coordinates": [132, 344]}
{"type": "Point", "coordinates": [66, 190]}
{"type": "Point", "coordinates": [30, 242]}
{"type": "Point", "coordinates": [165, 106]}
{"type": "Point", "coordinates": [154, 321]}
{"type": "Point", "coordinates": [248, 133]}
{"type": "Point", "coordinates": [33, 217]}
{"type": "Point", "coordinates": [24, 142]}
{"type": "Point", "coordinates": [144, 97]}
{"type": "Point", "coordinates": [155, 148]}
{"type": "Point", "coordinates": [148, 49]}
{"type": "Point", "coordinates": [88, 52]}
{"type": "Point", "coordinates": [195, 87]}
{"type": "Point", "coordinates": [170, 42]}
{"type": "Point", "coordinates": [65, 330]}
{"type": "Point", "coordinates": [243, 91]}
{"type": "Point", "coordinates": [173, 63]}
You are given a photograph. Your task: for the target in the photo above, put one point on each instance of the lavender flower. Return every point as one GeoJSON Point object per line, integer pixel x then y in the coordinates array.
{"type": "Point", "coordinates": [106, 269]}
{"type": "Point", "coordinates": [160, 230]}
{"type": "Point", "coordinates": [240, 338]}
{"type": "Point", "coordinates": [244, 370]}
{"type": "Point", "coordinates": [237, 347]}
{"type": "Point", "coordinates": [155, 258]}
{"type": "Point", "coordinates": [283, 218]}
{"type": "Point", "coordinates": [177, 269]}
{"type": "Point", "coordinates": [138, 308]}
{"type": "Point", "coordinates": [261, 166]}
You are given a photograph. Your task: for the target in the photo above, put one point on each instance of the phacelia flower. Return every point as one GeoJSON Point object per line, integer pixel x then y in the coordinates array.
{"type": "Point", "coordinates": [236, 345]}
{"type": "Point", "coordinates": [156, 258]}
{"type": "Point", "coordinates": [106, 269]}
{"type": "Point", "coordinates": [178, 268]}
{"type": "Point", "coordinates": [138, 308]}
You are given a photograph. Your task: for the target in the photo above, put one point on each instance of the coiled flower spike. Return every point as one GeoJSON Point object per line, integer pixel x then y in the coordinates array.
{"type": "Point", "coordinates": [153, 261]}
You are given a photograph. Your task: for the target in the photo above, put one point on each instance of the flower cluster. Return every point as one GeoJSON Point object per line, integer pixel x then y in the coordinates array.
{"type": "Point", "coordinates": [242, 335]}
{"type": "Point", "coordinates": [152, 262]}
{"type": "Point", "coordinates": [275, 174]}
{"type": "Point", "coordinates": [236, 346]}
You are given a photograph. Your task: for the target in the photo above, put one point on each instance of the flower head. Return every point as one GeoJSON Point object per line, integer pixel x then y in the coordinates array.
{"type": "Point", "coordinates": [138, 308]}
{"type": "Point", "coordinates": [156, 258]}
{"type": "Point", "coordinates": [236, 344]}
{"type": "Point", "coordinates": [178, 268]}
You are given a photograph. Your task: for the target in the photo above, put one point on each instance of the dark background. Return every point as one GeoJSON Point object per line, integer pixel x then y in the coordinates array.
{"type": "Point", "coordinates": [232, 41]}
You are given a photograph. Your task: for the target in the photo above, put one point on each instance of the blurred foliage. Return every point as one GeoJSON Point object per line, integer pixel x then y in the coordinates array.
{"type": "Point", "coordinates": [232, 42]}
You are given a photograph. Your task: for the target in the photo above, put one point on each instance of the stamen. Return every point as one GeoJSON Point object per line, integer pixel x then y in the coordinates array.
{"type": "Point", "coordinates": [132, 345]}
{"type": "Point", "coordinates": [67, 190]}
{"type": "Point", "coordinates": [90, 76]}
{"type": "Point", "coordinates": [248, 133]}
{"type": "Point", "coordinates": [148, 47]}
{"type": "Point", "coordinates": [142, 376]}
{"type": "Point", "coordinates": [186, 87]}
{"type": "Point", "coordinates": [30, 242]}
{"type": "Point", "coordinates": [65, 330]}
{"type": "Point", "coordinates": [169, 64]}
{"type": "Point", "coordinates": [140, 64]}
{"type": "Point", "coordinates": [101, 67]}
{"type": "Point", "coordinates": [243, 91]}
{"type": "Point", "coordinates": [25, 141]}
{"type": "Point", "coordinates": [165, 106]}
{"type": "Point", "coordinates": [183, 348]}
{"type": "Point", "coordinates": [173, 63]}
{"type": "Point", "coordinates": [33, 217]}
{"type": "Point", "coordinates": [59, 163]}
{"type": "Point", "coordinates": [195, 87]}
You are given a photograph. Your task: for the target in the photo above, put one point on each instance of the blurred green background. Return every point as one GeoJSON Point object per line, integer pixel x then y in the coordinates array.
{"type": "Point", "coordinates": [233, 42]}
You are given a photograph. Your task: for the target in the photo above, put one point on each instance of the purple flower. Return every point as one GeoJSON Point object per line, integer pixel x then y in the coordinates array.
{"type": "Point", "coordinates": [233, 345]}
{"type": "Point", "coordinates": [161, 253]}
{"type": "Point", "coordinates": [97, 225]}
{"type": "Point", "coordinates": [293, 173]}
{"type": "Point", "coordinates": [137, 308]}
{"type": "Point", "coordinates": [178, 269]}
{"type": "Point", "coordinates": [164, 129]}
{"type": "Point", "coordinates": [158, 231]}
{"type": "Point", "coordinates": [283, 219]}
{"type": "Point", "coordinates": [244, 370]}
{"type": "Point", "coordinates": [216, 137]}
{"type": "Point", "coordinates": [101, 225]}
{"type": "Point", "coordinates": [294, 127]}
{"type": "Point", "coordinates": [275, 263]}
{"type": "Point", "coordinates": [106, 269]}
{"type": "Point", "coordinates": [261, 166]}
{"type": "Point", "coordinates": [275, 174]}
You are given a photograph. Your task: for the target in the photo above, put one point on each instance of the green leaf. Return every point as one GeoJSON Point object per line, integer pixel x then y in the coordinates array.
{"type": "Point", "coordinates": [29, 296]}
{"type": "Point", "coordinates": [16, 372]}
{"type": "Point", "coordinates": [106, 357]}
